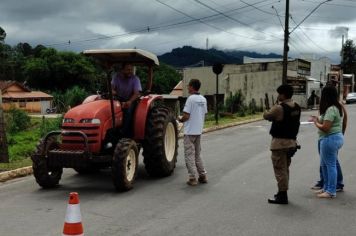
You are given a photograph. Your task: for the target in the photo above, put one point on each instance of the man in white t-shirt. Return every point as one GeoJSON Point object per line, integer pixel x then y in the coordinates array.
{"type": "Point", "coordinates": [193, 117]}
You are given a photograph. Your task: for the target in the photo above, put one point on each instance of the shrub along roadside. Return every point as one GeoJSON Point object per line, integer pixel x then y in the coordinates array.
{"type": "Point", "coordinates": [22, 144]}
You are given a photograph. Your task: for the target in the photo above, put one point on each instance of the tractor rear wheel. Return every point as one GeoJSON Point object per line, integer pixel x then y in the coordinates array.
{"type": "Point", "coordinates": [125, 163]}
{"type": "Point", "coordinates": [161, 142]}
{"type": "Point", "coordinates": [46, 177]}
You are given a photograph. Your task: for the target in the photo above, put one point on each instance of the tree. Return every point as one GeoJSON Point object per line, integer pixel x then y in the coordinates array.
{"type": "Point", "coordinates": [75, 96]}
{"type": "Point", "coordinates": [53, 70]}
{"type": "Point", "coordinates": [2, 35]}
{"type": "Point", "coordinates": [349, 57]}
{"type": "Point", "coordinates": [24, 48]}
{"type": "Point", "coordinates": [5, 59]}
{"type": "Point", "coordinates": [165, 78]}
{"type": "Point", "coordinates": [4, 154]}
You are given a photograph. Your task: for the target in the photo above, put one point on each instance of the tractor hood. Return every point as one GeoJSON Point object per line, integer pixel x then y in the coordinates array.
{"type": "Point", "coordinates": [99, 109]}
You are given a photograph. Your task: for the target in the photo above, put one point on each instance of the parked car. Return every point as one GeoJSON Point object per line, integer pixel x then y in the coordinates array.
{"type": "Point", "coordinates": [350, 98]}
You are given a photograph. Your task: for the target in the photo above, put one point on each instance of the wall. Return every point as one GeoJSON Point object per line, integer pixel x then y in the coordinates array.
{"type": "Point", "coordinates": [320, 67]}
{"type": "Point", "coordinates": [206, 77]}
{"type": "Point", "coordinates": [253, 85]}
{"type": "Point", "coordinates": [31, 106]}
{"type": "Point", "coordinates": [254, 80]}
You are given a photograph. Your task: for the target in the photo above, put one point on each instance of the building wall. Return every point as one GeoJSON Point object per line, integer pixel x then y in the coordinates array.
{"type": "Point", "coordinates": [206, 77]}
{"type": "Point", "coordinates": [30, 106]}
{"type": "Point", "coordinates": [254, 85]}
{"type": "Point", "coordinates": [255, 80]}
{"type": "Point", "coordinates": [320, 67]}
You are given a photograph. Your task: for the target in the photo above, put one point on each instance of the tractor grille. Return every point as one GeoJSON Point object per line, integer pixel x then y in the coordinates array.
{"type": "Point", "coordinates": [74, 141]}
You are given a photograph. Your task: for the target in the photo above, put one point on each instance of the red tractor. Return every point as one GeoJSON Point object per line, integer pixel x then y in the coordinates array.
{"type": "Point", "coordinates": [90, 137]}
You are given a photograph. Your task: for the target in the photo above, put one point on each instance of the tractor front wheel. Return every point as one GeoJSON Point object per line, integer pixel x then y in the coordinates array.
{"type": "Point", "coordinates": [46, 177]}
{"type": "Point", "coordinates": [161, 142]}
{"type": "Point", "coordinates": [125, 163]}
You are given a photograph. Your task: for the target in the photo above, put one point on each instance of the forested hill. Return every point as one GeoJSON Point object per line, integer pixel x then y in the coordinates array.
{"type": "Point", "coordinates": [190, 56]}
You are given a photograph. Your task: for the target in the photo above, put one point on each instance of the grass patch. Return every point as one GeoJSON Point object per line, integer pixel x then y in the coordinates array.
{"type": "Point", "coordinates": [210, 120]}
{"type": "Point", "coordinates": [15, 164]}
{"type": "Point", "coordinates": [23, 143]}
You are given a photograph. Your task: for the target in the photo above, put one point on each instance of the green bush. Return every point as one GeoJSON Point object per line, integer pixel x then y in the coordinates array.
{"type": "Point", "coordinates": [252, 107]}
{"type": "Point", "coordinates": [48, 125]}
{"type": "Point", "coordinates": [71, 98]}
{"type": "Point", "coordinates": [234, 103]}
{"type": "Point", "coordinates": [74, 96]}
{"type": "Point", "coordinates": [17, 120]}
{"type": "Point", "coordinates": [22, 145]}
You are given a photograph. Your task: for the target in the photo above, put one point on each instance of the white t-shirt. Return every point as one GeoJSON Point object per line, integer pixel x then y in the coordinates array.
{"type": "Point", "coordinates": [196, 107]}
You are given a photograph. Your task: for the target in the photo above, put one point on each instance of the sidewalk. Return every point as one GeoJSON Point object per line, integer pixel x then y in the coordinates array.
{"type": "Point", "coordinates": [24, 171]}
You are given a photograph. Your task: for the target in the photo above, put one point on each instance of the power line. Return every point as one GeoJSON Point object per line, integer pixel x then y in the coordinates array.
{"type": "Point", "coordinates": [145, 29]}
{"type": "Point", "coordinates": [333, 4]}
{"type": "Point", "coordinates": [280, 21]}
{"type": "Point", "coordinates": [266, 12]}
{"type": "Point", "coordinates": [309, 14]}
{"type": "Point", "coordinates": [201, 21]}
{"type": "Point", "coordinates": [309, 37]}
{"type": "Point", "coordinates": [231, 18]}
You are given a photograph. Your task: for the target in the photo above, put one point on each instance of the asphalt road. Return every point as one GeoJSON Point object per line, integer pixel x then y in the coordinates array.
{"type": "Point", "coordinates": [234, 202]}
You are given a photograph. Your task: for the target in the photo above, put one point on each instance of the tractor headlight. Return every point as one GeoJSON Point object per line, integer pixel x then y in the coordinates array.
{"type": "Point", "coordinates": [68, 120]}
{"type": "Point", "coordinates": [90, 121]}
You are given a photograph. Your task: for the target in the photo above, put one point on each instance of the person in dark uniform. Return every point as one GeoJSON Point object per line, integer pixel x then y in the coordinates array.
{"type": "Point", "coordinates": [285, 118]}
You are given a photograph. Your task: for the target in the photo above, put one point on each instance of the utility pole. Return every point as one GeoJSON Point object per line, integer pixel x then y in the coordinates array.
{"type": "Point", "coordinates": [4, 154]}
{"type": "Point", "coordinates": [286, 37]}
{"type": "Point", "coordinates": [286, 47]}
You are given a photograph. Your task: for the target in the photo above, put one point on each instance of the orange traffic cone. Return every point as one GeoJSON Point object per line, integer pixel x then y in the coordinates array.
{"type": "Point", "coordinates": [73, 221]}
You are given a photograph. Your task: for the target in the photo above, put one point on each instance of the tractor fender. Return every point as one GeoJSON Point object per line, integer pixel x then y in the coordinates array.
{"type": "Point", "coordinates": [141, 114]}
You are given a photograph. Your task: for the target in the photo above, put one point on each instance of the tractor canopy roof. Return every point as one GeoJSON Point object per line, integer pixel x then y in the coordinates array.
{"type": "Point", "coordinates": [112, 56]}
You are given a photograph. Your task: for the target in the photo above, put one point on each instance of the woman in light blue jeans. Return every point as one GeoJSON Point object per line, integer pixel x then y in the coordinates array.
{"type": "Point", "coordinates": [331, 125]}
{"type": "Point", "coordinates": [329, 147]}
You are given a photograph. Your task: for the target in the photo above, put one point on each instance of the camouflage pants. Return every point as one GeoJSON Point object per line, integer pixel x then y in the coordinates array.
{"type": "Point", "coordinates": [192, 156]}
{"type": "Point", "coordinates": [281, 163]}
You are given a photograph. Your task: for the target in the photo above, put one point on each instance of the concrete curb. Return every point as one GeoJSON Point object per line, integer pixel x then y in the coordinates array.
{"type": "Point", "coordinates": [24, 171]}
{"type": "Point", "coordinates": [12, 174]}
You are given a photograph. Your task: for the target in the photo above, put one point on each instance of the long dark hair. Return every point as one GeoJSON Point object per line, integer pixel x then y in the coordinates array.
{"type": "Point", "coordinates": [329, 98]}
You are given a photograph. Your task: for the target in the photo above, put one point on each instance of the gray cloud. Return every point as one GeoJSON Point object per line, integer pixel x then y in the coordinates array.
{"type": "Point", "coordinates": [229, 24]}
{"type": "Point", "coordinates": [339, 31]}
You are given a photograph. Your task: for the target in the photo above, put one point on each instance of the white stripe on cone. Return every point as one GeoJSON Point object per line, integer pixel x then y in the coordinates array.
{"type": "Point", "coordinates": [73, 214]}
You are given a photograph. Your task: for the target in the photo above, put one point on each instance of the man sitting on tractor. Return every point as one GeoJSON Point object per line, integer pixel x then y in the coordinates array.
{"type": "Point", "coordinates": [127, 87]}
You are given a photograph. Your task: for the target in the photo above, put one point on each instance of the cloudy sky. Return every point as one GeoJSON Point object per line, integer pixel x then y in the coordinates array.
{"type": "Point", "coordinates": [161, 25]}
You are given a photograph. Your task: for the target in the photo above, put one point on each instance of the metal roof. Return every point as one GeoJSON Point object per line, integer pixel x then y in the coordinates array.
{"type": "Point", "coordinates": [135, 56]}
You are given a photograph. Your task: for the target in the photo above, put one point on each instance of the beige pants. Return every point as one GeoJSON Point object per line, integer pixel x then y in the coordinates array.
{"type": "Point", "coordinates": [281, 165]}
{"type": "Point", "coordinates": [193, 159]}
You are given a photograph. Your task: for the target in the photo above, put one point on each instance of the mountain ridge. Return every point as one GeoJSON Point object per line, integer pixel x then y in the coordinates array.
{"type": "Point", "coordinates": [188, 56]}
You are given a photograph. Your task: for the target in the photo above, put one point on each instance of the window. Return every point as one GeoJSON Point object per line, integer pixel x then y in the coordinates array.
{"type": "Point", "coordinates": [22, 103]}
{"type": "Point", "coordinates": [264, 66]}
